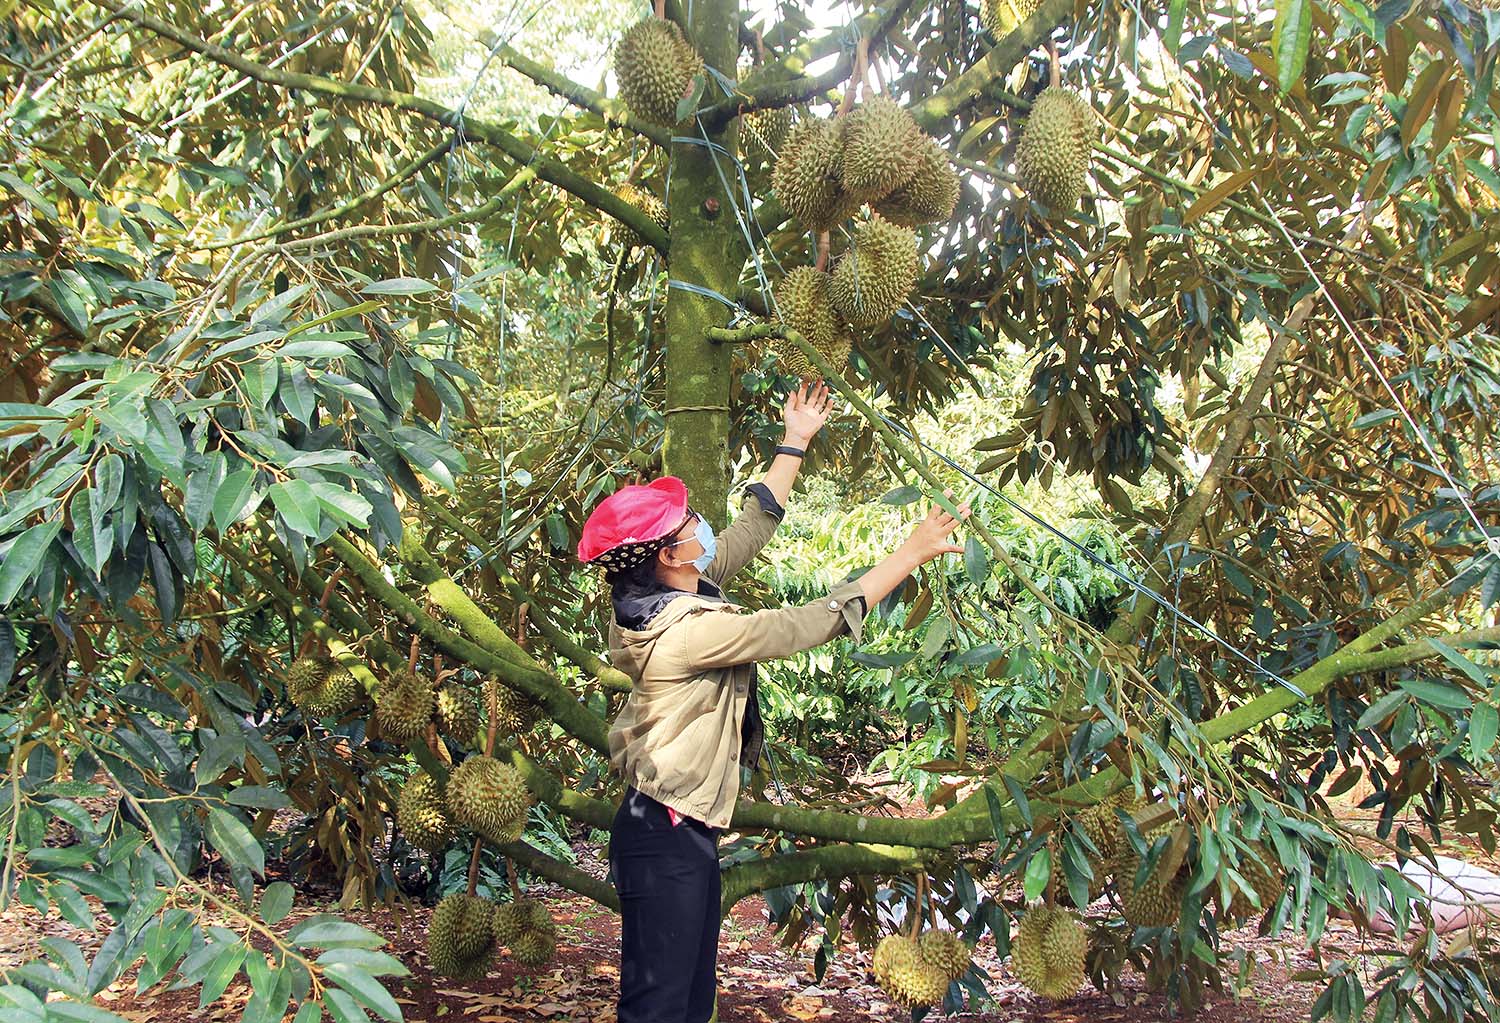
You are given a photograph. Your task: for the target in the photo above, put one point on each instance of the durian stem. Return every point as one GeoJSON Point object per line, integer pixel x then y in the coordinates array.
{"type": "Point", "coordinates": [474, 865]}
{"type": "Point", "coordinates": [918, 900]}
{"type": "Point", "coordinates": [823, 246]}
{"type": "Point", "coordinates": [1054, 71]}
{"type": "Point", "coordinates": [515, 881]}
{"type": "Point", "coordinates": [333, 580]}
{"type": "Point", "coordinates": [659, 8]}
{"type": "Point", "coordinates": [931, 908]}
{"type": "Point", "coordinates": [411, 659]}
{"type": "Point", "coordinates": [492, 700]}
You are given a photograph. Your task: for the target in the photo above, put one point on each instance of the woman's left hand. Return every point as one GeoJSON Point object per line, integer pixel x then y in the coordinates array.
{"type": "Point", "coordinates": [807, 409]}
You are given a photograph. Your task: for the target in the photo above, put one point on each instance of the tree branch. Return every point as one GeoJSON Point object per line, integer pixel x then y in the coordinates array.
{"type": "Point", "coordinates": [829, 861]}
{"type": "Point", "coordinates": [612, 110]}
{"type": "Point", "coordinates": [547, 168]}
{"type": "Point", "coordinates": [570, 877]}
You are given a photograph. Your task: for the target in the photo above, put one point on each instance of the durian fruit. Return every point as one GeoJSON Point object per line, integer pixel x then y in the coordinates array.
{"type": "Point", "coordinates": [648, 204]}
{"type": "Point", "coordinates": [319, 686]}
{"type": "Point", "coordinates": [882, 149]}
{"type": "Point", "coordinates": [874, 277]}
{"type": "Point", "coordinates": [509, 922]}
{"type": "Point", "coordinates": [514, 714]}
{"type": "Point", "coordinates": [1154, 902]}
{"type": "Point", "coordinates": [802, 302]}
{"type": "Point", "coordinates": [931, 194]}
{"type": "Point", "coordinates": [655, 67]}
{"type": "Point", "coordinates": [1261, 868]}
{"type": "Point", "coordinates": [1000, 17]}
{"type": "Point", "coordinates": [404, 705]}
{"type": "Point", "coordinates": [946, 951]}
{"type": "Point", "coordinates": [460, 938]}
{"type": "Point", "coordinates": [763, 133]}
{"type": "Point", "coordinates": [902, 973]}
{"type": "Point", "coordinates": [806, 175]}
{"type": "Point", "coordinates": [457, 712]}
{"type": "Point", "coordinates": [1052, 158]}
{"type": "Point", "coordinates": [304, 679]}
{"type": "Point", "coordinates": [489, 798]}
{"type": "Point", "coordinates": [537, 940]}
{"type": "Point", "coordinates": [1048, 953]}
{"type": "Point", "coordinates": [422, 813]}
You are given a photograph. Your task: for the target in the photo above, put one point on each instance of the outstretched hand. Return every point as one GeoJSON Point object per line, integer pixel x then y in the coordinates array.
{"type": "Point", "coordinates": [807, 409]}
{"type": "Point", "coordinates": [929, 539]}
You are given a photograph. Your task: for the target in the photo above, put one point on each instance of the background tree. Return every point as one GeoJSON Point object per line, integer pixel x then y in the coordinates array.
{"type": "Point", "coordinates": [268, 304]}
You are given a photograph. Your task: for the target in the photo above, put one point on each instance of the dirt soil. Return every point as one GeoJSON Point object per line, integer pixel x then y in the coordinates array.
{"type": "Point", "coordinates": [759, 980]}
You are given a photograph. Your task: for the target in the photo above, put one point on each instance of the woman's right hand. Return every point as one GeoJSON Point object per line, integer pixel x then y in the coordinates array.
{"type": "Point", "coordinates": [930, 539]}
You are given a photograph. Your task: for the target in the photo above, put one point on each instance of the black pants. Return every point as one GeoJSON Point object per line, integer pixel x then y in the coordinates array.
{"type": "Point", "coordinates": [668, 880]}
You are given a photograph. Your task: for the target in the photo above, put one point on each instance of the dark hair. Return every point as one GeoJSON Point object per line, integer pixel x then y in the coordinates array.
{"type": "Point", "coordinates": [640, 576]}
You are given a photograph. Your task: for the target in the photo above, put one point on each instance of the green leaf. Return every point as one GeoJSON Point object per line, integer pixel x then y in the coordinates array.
{"type": "Point", "coordinates": [1290, 39]}
{"type": "Point", "coordinates": [365, 988]}
{"type": "Point", "coordinates": [316, 350]}
{"type": "Point", "coordinates": [232, 501]}
{"type": "Point", "coordinates": [976, 560]}
{"type": "Point", "coordinates": [203, 486]}
{"type": "Point", "coordinates": [399, 286]}
{"type": "Point", "coordinates": [297, 505]}
{"type": "Point", "coordinates": [1482, 727]}
{"type": "Point", "coordinates": [1038, 873]}
{"type": "Point", "coordinates": [342, 1006]}
{"type": "Point", "coordinates": [18, 564]}
{"type": "Point", "coordinates": [1462, 663]}
{"type": "Point", "coordinates": [276, 902]}
{"type": "Point", "coordinates": [274, 308]}
{"type": "Point", "coordinates": [331, 932]}
{"type": "Point", "coordinates": [91, 533]}
{"type": "Point", "coordinates": [1172, 38]}
{"type": "Point", "coordinates": [1381, 709]}
{"type": "Point", "coordinates": [1375, 418]}
{"type": "Point", "coordinates": [377, 964]}
{"type": "Point", "coordinates": [76, 1012]}
{"type": "Point", "coordinates": [1436, 694]}
{"type": "Point", "coordinates": [901, 495]}
{"type": "Point", "coordinates": [221, 751]}
{"type": "Point", "coordinates": [311, 1012]}
{"type": "Point", "coordinates": [71, 306]}
{"type": "Point", "coordinates": [225, 965]}
{"type": "Point", "coordinates": [234, 841]}
{"type": "Point", "coordinates": [261, 797]}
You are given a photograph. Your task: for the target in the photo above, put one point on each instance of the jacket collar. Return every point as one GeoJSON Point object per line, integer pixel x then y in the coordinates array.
{"type": "Point", "coordinates": [636, 606]}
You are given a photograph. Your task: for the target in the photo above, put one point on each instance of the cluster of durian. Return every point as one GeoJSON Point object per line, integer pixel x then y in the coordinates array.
{"type": "Point", "coordinates": [876, 155]}
{"type": "Point", "coordinates": [482, 794]}
{"type": "Point", "coordinates": [648, 204]}
{"type": "Point", "coordinates": [917, 971]}
{"type": "Point", "coordinates": [1267, 880]}
{"type": "Point", "coordinates": [655, 67]}
{"type": "Point", "coordinates": [1057, 141]}
{"type": "Point", "coordinates": [466, 929]}
{"type": "Point", "coordinates": [1049, 951]}
{"type": "Point", "coordinates": [407, 702]}
{"type": "Point", "coordinates": [1000, 17]}
{"type": "Point", "coordinates": [320, 686]}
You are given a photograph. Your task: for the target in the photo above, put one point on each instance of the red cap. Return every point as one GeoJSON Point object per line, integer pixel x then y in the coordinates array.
{"type": "Point", "coordinates": [622, 529]}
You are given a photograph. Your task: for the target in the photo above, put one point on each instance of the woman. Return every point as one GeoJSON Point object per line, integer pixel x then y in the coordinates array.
{"type": "Point", "coordinates": [690, 731]}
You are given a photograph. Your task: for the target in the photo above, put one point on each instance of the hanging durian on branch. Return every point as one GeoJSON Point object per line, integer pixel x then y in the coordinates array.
{"type": "Point", "coordinates": [319, 686]}
{"type": "Point", "coordinates": [873, 278]}
{"type": "Point", "coordinates": [461, 937]}
{"type": "Point", "coordinates": [806, 176]}
{"type": "Point", "coordinates": [655, 67]}
{"type": "Point", "coordinates": [648, 204]}
{"type": "Point", "coordinates": [422, 813]}
{"type": "Point", "coordinates": [930, 195]}
{"type": "Point", "coordinates": [1049, 951]}
{"type": "Point", "coordinates": [1057, 141]}
{"type": "Point", "coordinates": [404, 705]}
{"type": "Point", "coordinates": [1000, 17]}
{"type": "Point", "coordinates": [489, 798]}
{"type": "Point", "coordinates": [802, 303]}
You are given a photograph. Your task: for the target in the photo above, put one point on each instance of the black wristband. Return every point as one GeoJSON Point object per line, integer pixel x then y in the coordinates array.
{"type": "Point", "coordinates": [787, 449]}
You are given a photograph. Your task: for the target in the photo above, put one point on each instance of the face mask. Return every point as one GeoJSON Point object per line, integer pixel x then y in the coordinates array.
{"type": "Point", "coordinates": [704, 534]}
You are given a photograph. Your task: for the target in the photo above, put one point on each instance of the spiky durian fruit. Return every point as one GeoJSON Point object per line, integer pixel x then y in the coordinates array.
{"type": "Point", "coordinates": [422, 813]}
{"type": "Point", "coordinates": [1262, 870]}
{"type": "Point", "coordinates": [1052, 158]}
{"type": "Point", "coordinates": [882, 149]}
{"type": "Point", "coordinates": [802, 302]}
{"type": "Point", "coordinates": [460, 938]}
{"type": "Point", "coordinates": [806, 176]}
{"type": "Point", "coordinates": [874, 277]}
{"type": "Point", "coordinates": [1048, 953]}
{"type": "Point", "coordinates": [320, 686]}
{"type": "Point", "coordinates": [304, 679]}
{"type": "Point", "coordinates": [763, 133]}
{"type": "Point", "coordinates": [931, 194]}
{"type": "Point", "coordinates": [509, 921]}
{"type": "Point", "coordinates": [1155, 901]}
{"type": "Point", "coordinates": [655, 67]}
{"type": "Point", "coordinates": [1000, 17]}
{"type": "Point", "coordinates": [515, 714]}
{"type": "Point", "coordinates": [537, 939]}
{"type": "Point", "coordinates": [457, 712]}
{"type": "Point", "coordinates": [946, 951]}
{"type": "Point", "coordinates": [902, 973]}
{"type": "Point", "coordinates": [489, 798]}
{"type": "Point", "coordinates": [404, 704]}
{"type": "Point", "coordinates": [648, 204]}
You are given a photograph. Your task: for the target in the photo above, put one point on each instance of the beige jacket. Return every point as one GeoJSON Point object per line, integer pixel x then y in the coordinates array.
{"type": "Point", "coordinates": [677, 739]}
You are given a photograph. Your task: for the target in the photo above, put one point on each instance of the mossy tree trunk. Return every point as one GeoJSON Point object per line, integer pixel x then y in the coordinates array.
{"type": "Point", "coordinates": [707, 251]}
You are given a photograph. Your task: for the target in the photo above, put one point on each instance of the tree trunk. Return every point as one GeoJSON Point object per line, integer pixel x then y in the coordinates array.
{"type": "Point", "coordinates": [706, 251]}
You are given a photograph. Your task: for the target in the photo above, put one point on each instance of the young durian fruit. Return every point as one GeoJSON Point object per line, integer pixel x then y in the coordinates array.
{"type": "Point", "coordinates": [873, 278]}
{"type": "Point", "coordinates": [489, 798]}
{"type": "Point", "coordinates": [806, 176]}
{"type": "Point", "coordinates": [905, 976]}
{"type": "Point", "coordinates": [457, 711]}
{"type": "Point", "coordinates": [1263, 871]}
{"type": "Point", "coordinates": [320, 686]}
{"type": "Point", "coordinates": [422, 813]}
{"type": "Point", "coordinates": [1049, 951]}
{"type": "Point", "coordinates": [535, 938]}
{"type": "Point", "coordinates": [802, 302]}
{"type": "Point", "coordinates": [1156, 901]}
{"type": "Point", "coordinates": [946, 951]}
{"type": "Point", "coordinates": [404, 705]}
{"type": "Point", "coordinates": [929, 197]}
{"type": "Point", "coordinates": [655, 67]}
{"type": "Point", "coordinates": [648, 204]}
{"type": "Point", "coordinates": [460, 937]}
{"type": "Point", "coordinates": [1057, 141]}
{"type": "Point", "coordinates": [1000, 17]}
{"type": "Point", "coordinates": [515, 714]}
{"type": "Point", "coordinates": [304, 679]}
{"type": "Point", "coordinates": [882, 149]}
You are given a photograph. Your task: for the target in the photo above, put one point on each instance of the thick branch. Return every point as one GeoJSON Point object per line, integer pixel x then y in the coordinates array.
{"type": "Point", "coordinates": [539, 863]}
{"type": "Point", "coordinates": [612, 110]}
{"type": "Point", "coordinates": [546, 168]}
{"type": "Point", "coordinates": [829, 861]}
